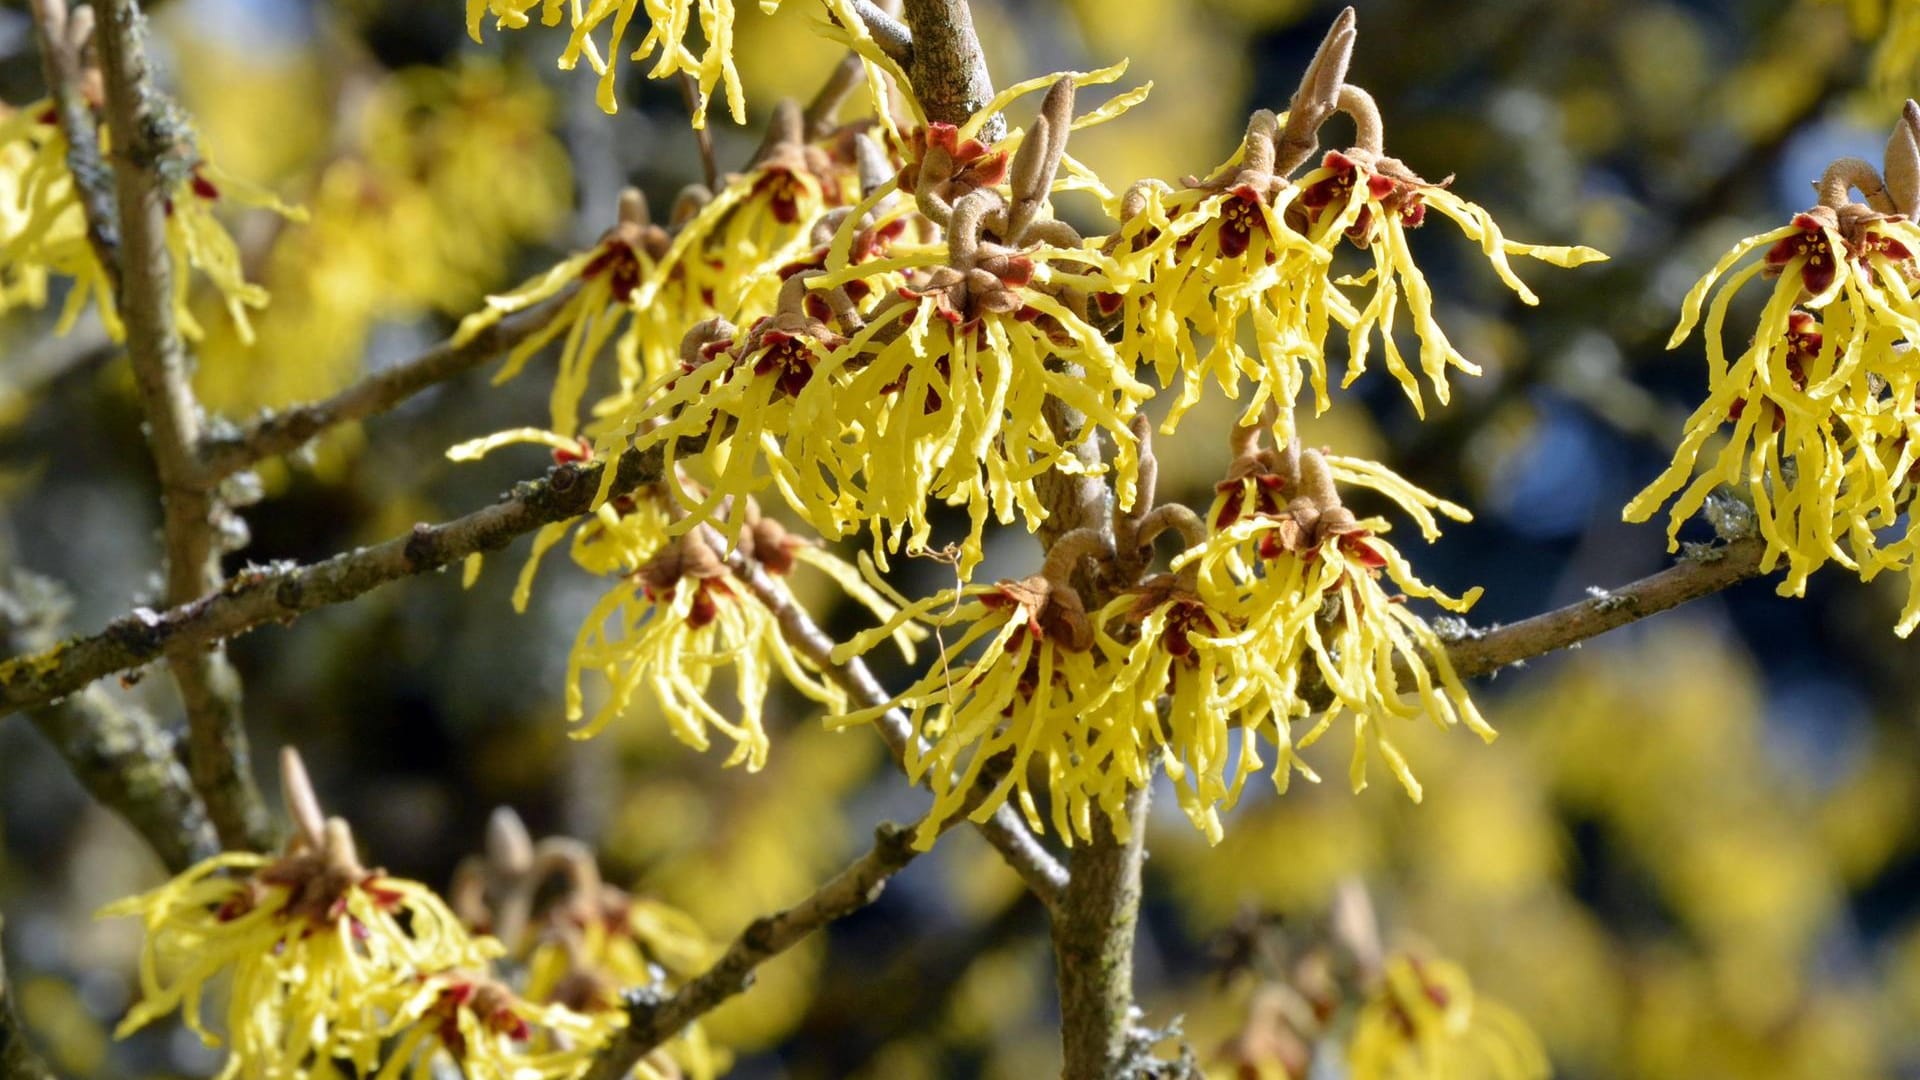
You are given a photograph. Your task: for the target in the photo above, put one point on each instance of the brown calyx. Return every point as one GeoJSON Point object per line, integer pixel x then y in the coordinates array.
{"type": "Point", "coordinates": [1295, 489]}
{"type": "Point", "coordinates": [1186, 613]}
{"type": "Point", "coordinates": [691, 558]}
{"type": "Point", "coordinates": [318, 880]}
{"type": "Point", "coordinates": [1054, 611]}
{"type": "Point", "coordinates": [778, 344]}
{"type": "Point", "coordinates": [1394, 188]}
{"type": "Point", "coordinates": [1314, 514]}
{"type": "Point", "coordinates": [488, 999]}
{"type": "Point", "coordinates": [965, 297]}
{"type": "Point", "coordinates": [943, 168]}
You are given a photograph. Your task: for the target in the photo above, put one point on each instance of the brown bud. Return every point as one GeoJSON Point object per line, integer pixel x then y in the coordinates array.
{"type": "Point", "coordinates": [1903, 161]}
{"type": "Point", "coordinates": [694, 346]}
{"type": "Point", "coordinates": [633, 208]}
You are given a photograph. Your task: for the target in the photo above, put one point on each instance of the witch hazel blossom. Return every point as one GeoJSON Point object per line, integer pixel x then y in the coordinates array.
{"type": "Point", "coordinates": [869, 325]}
{"type": "Point", "coordinates": [1820, 398]}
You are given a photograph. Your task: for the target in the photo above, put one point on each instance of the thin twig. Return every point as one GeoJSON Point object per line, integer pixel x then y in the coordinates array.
{"type": "Point", "coordinates": [67, 81]}
{"type": "Point", "coordinates": [889, 33]}
{"type": "Point", "coordinates": [257, 597]}
{"type": "Point", "coordinates": [131, 766]}
{"type": "Point", "coordinates": [824, 108]}
{"type": "Point", "coordinates": [18, 1061]}
{"type": "Point", "coordinates": [652, 1018]}
{"type": "Point", "coordinates": [1692, 578]}
{"type": "Point", "coordinates": [709, 165]}
{"type": "Point", "coordinates": [146, 135]}
{"type": "Point", "coordinates": [289, 429]}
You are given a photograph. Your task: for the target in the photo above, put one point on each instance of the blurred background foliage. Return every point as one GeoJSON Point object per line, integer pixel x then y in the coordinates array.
{"type": "Point", "coordinates": [1695, 851]}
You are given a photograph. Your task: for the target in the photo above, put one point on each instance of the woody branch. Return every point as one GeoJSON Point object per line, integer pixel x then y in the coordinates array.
{"type": "Point", "coordinates": [145, 137]}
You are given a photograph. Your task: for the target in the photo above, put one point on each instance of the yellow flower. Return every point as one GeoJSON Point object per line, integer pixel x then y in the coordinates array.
{"type": "Point", "coordinates": [602, 281]}
{"type": "Point", "coordinates": [670, 23]}
{"type": "Point", "coordinates": [49, 231]}
{"type": "Point", "coordinates": [1426, 1021]}
{"type": "Point", "coordinates": [490, 1033]}
{"type": "Point", "coordinates": [681, 616]}
{"type": "Point", "coordinates": [319, 948]}
{"type": "Point", "coordinates": [1897, 57]}
{"type": "Point", "coordinates": [616, 942]}
{"type": "Point", "coordinates": [1895, 26]}
{"type": "Point", "coordinates": [938, 394]}
{"type": "Point", "coordinates": [729, 257]}
{"type": "Point", "coordinates": [616, 539]}
{"type": "Point", "coordinates": [733, 247]}
{"type": "Point", "coordinates": [1030, 695]}
{"type": "Point", "coordinates": [1822, 405]}
{"type": "Point", "coordinates": [461, 169]}
{"type": "Point", "coordinates": [1372, 200]}
{"type": "Point", "coordinates": [1173, 644]}
{"type": "Point", "coordinates": [887, 378]}
{"type": "Point", "coordinates": [1304, 582]}
{"type": "Point", "coordinates": [20, 285]}
{"type": "Point", "coordinates": [1214, 258]}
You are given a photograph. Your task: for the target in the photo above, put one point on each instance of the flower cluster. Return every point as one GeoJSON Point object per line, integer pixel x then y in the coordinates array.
{"type": "Point", "coordinates": [1426, 1020]}
{"type": "Point", "coordinates": [726, 252]}
{"type": "Point", "coordinates": [879, 319]}
{"type": "Point", "coordinates": [682, 611]}
{"type": "Point", "coordinates": [1249, 252]}
{"type": "Point", "coordinates": [320, 951]}
{"type": "Point", "coordinates": [330, 964]}
{"type": "Point", "coordinates": [1823, 401]}
{"type": "Point", "coordinates": [1275, 610]}
{"type": "Point", "coordinates": [1334, 994]}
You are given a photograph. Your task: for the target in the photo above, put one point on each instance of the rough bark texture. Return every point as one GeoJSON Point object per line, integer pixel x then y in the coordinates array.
{"type": "Point", "coordinates": [1093, 948]}
{"type": "Point", "coordinates": [124, 759]}
{"type": "Point", "coordinates": [146, 136]}
{"type": "Point", "coordinates": [278, 594]}
{"type": "Point", "coordinates": [947, 67]}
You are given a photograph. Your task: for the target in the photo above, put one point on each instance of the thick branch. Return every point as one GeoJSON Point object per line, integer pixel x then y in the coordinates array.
{"type": "Point", "coordinates": [947, 67]}
{"type": "Point", "coordinates": [117, 752]}
{"type": "Point", "coordinates": [289, 429]}
{"type": "Point", "coordinates": [127, 762]}
{"type": "Point", "coordinates": [1690, 579]}
{"type": "Point", "coordinates": [258, 597]}
{"type": "Point", "coordinates": [1042, 873]}
{"type": "Point", "coordinates": [17, 1059]}
{"type": "Point", "coordinates": [653, 1019]}
{"type": "Point", "coordinates": [145, 136]}
{"type": "Point", "coordinates": [1093, 948]}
